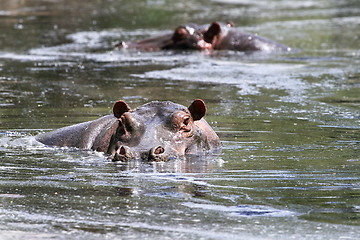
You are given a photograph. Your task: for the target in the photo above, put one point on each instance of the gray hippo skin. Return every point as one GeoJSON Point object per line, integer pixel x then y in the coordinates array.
{"type": "Point", "coordinates": [156, 131]}
{"type": "Point", "coordinates": [226, 37]}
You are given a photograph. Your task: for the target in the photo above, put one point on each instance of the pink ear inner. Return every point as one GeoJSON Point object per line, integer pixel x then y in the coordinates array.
{"type": "Point", "coordinates": [197, 109]}
{"type": "Point", "coordinates": [120, 107]}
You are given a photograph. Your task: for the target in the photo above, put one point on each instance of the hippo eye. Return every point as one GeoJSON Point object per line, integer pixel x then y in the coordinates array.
{"type": "Point", "coordinates": [186, 121]}
{"type": "Point", "coordinates": [185, 126]}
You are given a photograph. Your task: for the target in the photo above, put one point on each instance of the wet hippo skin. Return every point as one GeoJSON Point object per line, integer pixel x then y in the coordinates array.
{"type": "Point", "coordinates": [156, 131]}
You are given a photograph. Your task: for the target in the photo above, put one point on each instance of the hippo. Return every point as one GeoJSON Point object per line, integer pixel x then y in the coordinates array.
{"type": "Point", "coordinates": [156, 131]}
{"type": "Point", "coordinates": [185, 37]}
{"type": "Point", "coordinates": [215, 36]}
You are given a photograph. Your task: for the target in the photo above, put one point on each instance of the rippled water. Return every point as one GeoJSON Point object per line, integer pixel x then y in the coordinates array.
{"type": "Point", "coordinates": [289, 123]}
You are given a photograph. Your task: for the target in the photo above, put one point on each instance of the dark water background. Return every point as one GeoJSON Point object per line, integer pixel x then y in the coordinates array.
{"type": "Point", "coordinates": [289, 123]}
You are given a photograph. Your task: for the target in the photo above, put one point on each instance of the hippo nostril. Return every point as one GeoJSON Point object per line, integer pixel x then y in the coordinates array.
{"type": "Point", "coordinates": [157, 154]}
{"type": "Point", "coordinates": [159, 150]}
{"type": "Point", "coordinates": [122, 151]}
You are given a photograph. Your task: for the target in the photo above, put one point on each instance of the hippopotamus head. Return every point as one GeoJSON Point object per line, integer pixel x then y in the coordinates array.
{"type": "Point", "coordinates": [185, 37]}
{"type": "Point", "coordinates": [158, 131]}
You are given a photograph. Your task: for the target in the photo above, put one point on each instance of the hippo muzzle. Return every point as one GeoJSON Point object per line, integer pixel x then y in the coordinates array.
{"type": "Point", "coordinates": [125, 153]}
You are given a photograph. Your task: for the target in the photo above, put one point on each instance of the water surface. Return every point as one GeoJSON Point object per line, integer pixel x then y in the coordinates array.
{"type": "Point", "coordinates": [289, 123]}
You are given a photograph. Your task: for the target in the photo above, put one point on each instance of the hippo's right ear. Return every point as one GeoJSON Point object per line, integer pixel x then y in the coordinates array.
{"type": "Point", "coordinates": [120, 107]}
{"type": "Point", "coordinates": [212, 31]}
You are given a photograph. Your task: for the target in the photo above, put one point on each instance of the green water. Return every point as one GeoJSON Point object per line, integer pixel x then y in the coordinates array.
{"type": "Point", "coordinates": [289, 123]}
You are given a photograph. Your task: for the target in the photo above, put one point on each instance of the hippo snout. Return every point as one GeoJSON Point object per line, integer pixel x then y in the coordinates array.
{"type": "Point", "coordinates": [155, 154]}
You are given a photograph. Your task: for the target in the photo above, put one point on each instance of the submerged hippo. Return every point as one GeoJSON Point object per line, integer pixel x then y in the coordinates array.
{"type": "Point", "coordinates": [216, 36]}
{"type": "Point", "coordinates": [156, 131]}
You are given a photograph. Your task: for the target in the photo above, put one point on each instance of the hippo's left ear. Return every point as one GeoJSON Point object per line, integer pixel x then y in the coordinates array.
{"type": "Point", "coordinates": [197, 109]}
{"type": "Point", "coordinates": [120, 107]}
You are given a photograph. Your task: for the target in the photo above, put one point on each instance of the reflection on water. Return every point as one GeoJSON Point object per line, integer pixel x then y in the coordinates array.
{"type": "Point", "coordinates": [289, 123]}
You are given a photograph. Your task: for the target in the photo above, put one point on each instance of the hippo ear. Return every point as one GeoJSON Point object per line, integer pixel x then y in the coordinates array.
{"type": "Point", "coordinates": [197, 109]}
{"type": "Point", "coordinates": [180, 34]}
{"type": "Point", "coordinates": [120, 107]}
{"type": "Point", "coordinates": [212, 31]}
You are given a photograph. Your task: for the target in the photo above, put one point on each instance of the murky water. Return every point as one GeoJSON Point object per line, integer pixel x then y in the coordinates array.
{"type": "Point", "coordinates": [289, 123]}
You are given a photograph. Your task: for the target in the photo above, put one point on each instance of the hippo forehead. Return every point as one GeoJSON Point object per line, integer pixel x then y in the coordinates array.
{"type": "Point", "coordinates": [158, 110]}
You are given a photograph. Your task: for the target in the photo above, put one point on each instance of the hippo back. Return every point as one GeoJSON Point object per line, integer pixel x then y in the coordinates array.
{"type": "Point", "coordinates": [94, 135]}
